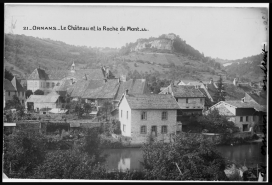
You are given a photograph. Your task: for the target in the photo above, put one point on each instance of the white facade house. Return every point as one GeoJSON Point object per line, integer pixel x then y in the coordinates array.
{"type": "Point", "coordinates": [148, 115]}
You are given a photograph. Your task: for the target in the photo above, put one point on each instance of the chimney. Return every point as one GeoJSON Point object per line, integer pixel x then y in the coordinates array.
{"type": "Point", "coordinates": [126, 92]}
{"type": "Point", "coordinates": [211, 81]}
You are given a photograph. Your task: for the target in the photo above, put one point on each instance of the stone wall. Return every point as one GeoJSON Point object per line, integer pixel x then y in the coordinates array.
{"type": "Point", "coordinates": [153, 119]}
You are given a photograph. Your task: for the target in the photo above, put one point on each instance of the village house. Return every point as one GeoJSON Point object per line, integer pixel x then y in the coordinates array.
{"type": "Point", "coordinates": [47, 80]}
{"type": "Point", "coordinates": [11, 88]}
{"type": "Point", "coordinates": [49, 101]}
{"type": "Point", "coordinates": [243, 113]}
{"type": "Point", "coordinates": [148, 115]}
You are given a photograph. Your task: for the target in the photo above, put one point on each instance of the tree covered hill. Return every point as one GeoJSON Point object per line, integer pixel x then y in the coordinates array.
{"type": "Point", "coordinates": [246, 68]}
{"type": "Point", "coordinates": [25, 53]}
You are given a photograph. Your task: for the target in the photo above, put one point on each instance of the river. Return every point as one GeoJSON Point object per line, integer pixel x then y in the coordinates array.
{"type": "Point", "coordinates": [129, 158]}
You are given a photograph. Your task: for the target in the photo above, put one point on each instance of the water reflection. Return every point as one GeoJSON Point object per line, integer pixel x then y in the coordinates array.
{"type": "Point", "coordinates": [129, 158]}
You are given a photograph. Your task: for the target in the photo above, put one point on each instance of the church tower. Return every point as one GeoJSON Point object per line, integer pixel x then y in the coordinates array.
{"type": "Point", "coordinates": [73, 68]}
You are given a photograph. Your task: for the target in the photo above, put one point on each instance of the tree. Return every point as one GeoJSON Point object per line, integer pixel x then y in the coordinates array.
{"type": "Point", "coordinates": [87, 107]}
{"type": "Point", "coordinates": [24, 150]}
{"type": "Point", "coordinates": [220, 94]}
{"type": "Point", "coordinates": [216, 123]}
{"type": "Point", "coordinates": [107, 107]}
{"type": "Point", "coordinates": [8, 75]}
{"type": "Point", "coordinates": [28, 93]}
{"type": "Point", "coordinates": [189, 157]}
{"type": "Point", "coordinates": [39, 92]}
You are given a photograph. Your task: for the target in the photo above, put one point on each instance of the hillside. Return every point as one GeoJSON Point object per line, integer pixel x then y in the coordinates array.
{"type": "Point", "coordinates": [23, 54]}
{"type": "Point", "coordinates": [247, 68]}
{"type": "Point", "coordinates": [167, 56]}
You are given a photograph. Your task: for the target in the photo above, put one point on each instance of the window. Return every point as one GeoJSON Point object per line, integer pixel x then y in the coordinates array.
{"type": "Point", "coordinates": [241, 119]}
{"type": "Point", "coordinates": [22, 101]}
{"type": "Point", "coordinates": [127, 114]}
{"type": "Point", "coordinates": [245, 127]}
{"type": "Point", "coordinates": [201, 100]}
{"type": "Point", "coordinates": [121, 113]}
{"type": "Point", "coordinates": [164, 129]}
{"type": "Point", "coordinates": [53, 84]}
{"type": "Point", "coordinates": [143, 116]}
{"type": "Point", "coordinates": [18, 93]}
{"type": "Point", "coordinates": [47, 84]}
{"type": "Point", "coordinates": [186, 100]}
{"type": "Point", "coordinates": [164, 115]}
{"type": "Point", "coordinates": [9, 93]}
{"type": "Point", "coordinates": [246, 118]}
{"type": "Point", "coordinates": [124, 128]}
{"type": "Point", "coordinates": [143, 129]}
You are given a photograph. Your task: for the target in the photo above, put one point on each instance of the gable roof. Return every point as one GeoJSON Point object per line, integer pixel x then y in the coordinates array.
{"type": "Point", "coordinates": [38, 74]}
{"type": "Point", "coordinates": [103, 90]}
{"type": "Point", "coordinates": [260, 99]}
{"type": "Point", "coordinates": [49, 98]}
{"type": "Point", "coordinates": [250, 104]}
{"type": "Point", "coordinates": [224, 111]}
{"type": "Point", "coordinates": [151, 101]}
{"type": "Point", "coordinates": [186, 91]}
{"type": "Point", "coordinates": [78, 88]}
{"type": "Point", "coordinates": [8, 85]}
{"type": "Point", "coordinates": [17, 85]}
{"type": "Point", "coordinates": [134, 86]}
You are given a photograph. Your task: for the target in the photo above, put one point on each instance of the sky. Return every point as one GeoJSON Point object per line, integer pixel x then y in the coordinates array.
{"type": "Point", "coordinates": [226, 32]}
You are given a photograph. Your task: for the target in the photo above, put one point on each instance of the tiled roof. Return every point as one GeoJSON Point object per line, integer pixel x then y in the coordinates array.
{"type": "Point", "coordinates": [79, 74]}
{"type": "Point", "coordinates": [78, 88]}
{"type": "Point", "coordinates": [204, 92]}
{"type": "Point", "coordinates": [151, 101]}
{"type": "Point", "coordinates": [250, 104]}
{"type": "Point", "coordinates": [103, 90]}
{"type": "Point", "coordinates": [224, 111]}
{"type": "Point", "coordinates": [17, 85]}
{"type": "Point", "coordinates": [8, 85]}
{"type": "Point", "coordinates": [186, 91]}
{"type": "Point", "coordinates": [63, 86]}
{"type": "Point", "coordinates": [211, 89]}
{"type": "Point", "coordinates": [43, 98]}
{"type": "Point", "coordinates": [260, 99]}
{"type": "Point", "coordinates": [38, 74]}
{"type": "Point", "coordinates": [134, 86]}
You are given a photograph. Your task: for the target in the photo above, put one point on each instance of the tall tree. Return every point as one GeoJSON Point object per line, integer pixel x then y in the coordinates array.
{"type": "Point", "coordinates": [28, 93]}
{"type": "Point", "coordinates": [39, 92]}
{"type": "Point", "coordinates": [8, 75]}
{"type": "Point", "coordinates": [220, 94]}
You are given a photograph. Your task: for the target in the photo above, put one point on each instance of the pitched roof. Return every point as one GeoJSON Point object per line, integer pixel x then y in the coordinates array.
{"type": "Point", "coordinates": [134, 86]}
{"type": "Point", "coordinates": [186, 91]}
{"type": "Point", "coordinates": [38, 74]}
{"type": "Point", "coordinates": [151, 101]}
{"type": "Point", "coordinates": [203, 92]}
{"type": "Point", "coordinates": [8, 85]}
{"type": "Point", "coordinates": [224, 111]}
{"type": "Point", "coordinates": [63, 86]}
{"type": "Point", "coordinates": [260, 99]}
{"type": "Point", "coordinates": [49, 98]}
{"type": "Point", "coordinates": [250, 104]}
{"type": "Point", "coordinates": [103, 90]}
{"type": "Point", "coordinates": [17, 85]}
{"type": "Point", "coordinates": [78, 88]}
{"type": "Point", "coordinates": [79, 74]}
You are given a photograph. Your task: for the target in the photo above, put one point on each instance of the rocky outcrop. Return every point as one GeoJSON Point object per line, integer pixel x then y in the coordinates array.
{"type": "Point", "coordinates": [159, 44]}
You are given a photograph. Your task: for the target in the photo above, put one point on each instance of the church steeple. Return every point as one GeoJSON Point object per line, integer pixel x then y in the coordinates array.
{"type": "Point", "coordinates": [73, 67]}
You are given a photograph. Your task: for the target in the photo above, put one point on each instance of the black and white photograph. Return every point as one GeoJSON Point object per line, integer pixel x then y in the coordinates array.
{"type": "Point", "coordinates": [140, 92]}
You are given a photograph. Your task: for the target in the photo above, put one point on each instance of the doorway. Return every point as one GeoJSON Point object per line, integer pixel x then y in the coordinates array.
{"type": "Point", "coordinates": [154, 131]}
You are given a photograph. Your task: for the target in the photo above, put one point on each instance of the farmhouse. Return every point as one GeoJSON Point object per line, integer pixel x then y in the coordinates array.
{"type": "Point", "coordinates": [145, 116]}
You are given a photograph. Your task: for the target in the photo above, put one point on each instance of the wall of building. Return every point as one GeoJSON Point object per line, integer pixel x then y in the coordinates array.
{"type": "Point", "coordinates": [20, 95]}
{"type": "Point", "coordinates": [193, 103]}
{"type": "Point", "coordinates": [124, 109]}
{"type": "Point", "coordinates": [240, 124]}
{"type": "Point", "coordinates": [44, 85]}
{"type": "Point", "coordinates": [44, 105]}
{"type": "Point", "coordinates": [153, 119]}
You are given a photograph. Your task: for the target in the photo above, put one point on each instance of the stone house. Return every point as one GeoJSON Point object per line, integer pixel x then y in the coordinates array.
{"type": "Point", "coordinates": [47, 80]}
{"type": "Point", "coordinates": [49, 101]}
{"type": "Point", "coordinates": [243, 114]}
{"type": "Point", "coordinates": [13, 88]}
{"type": "Point", "coordinates": [145, 116]}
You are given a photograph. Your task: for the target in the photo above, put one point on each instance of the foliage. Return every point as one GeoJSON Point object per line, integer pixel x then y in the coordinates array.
{"type": "Point", "coordinates": [28, 93]}
{"type": "Point", "coordinates": [117, 127]}
{"type": "Point", "coordinates": [87, 107]}
{"type": "Point", "coordinates": [196, 158]}
{"type": "Point", "coordinates": [15, 104]}
{"type": "Point", "coordinates": [23, 151]}
{"type": "Point", "coordinates": [38, 92]}
{"type": "Point", "coordinates": [8, 75]}
{"type": "Point", "coordinates": [52, 127]}
{"type": "Point", "coordinates": [216, 123]}
{"type": "Point", "coordinates": [220, 94]}
{"type": "Point", "coordinates": [107, 107]}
